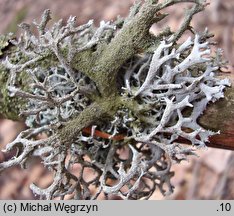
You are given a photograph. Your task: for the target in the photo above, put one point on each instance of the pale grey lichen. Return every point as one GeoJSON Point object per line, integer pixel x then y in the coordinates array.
{"type": "Point", "coordinates": [169, 81]}
{"type": "Point", "coordinates": [162, 95]}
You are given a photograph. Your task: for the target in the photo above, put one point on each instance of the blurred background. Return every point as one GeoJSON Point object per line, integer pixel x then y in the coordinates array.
{"type": "Point", "coordinates": [211, 176]}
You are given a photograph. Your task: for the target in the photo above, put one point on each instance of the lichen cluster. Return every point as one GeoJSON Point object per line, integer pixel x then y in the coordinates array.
{"type": "Point", "coordinates": [105, 106]}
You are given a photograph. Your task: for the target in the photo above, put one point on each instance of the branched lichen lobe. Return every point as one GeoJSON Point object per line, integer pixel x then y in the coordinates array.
{"type": "Point", "coordinates": [84, 86]}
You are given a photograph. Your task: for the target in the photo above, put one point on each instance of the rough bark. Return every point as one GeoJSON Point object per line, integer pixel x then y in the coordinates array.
{"type": "Point", "coordinates": [103, 66]}
{"type": "Point", "coordinates": [220, 117]}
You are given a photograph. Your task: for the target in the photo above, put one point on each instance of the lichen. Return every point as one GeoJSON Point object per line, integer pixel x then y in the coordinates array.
{"type": "Point", "coordinates": [218, 115]}
{"type": "Point", "coordinates": [99, 91]}
{"type": "Point", "coordinates": [11, 106]}
{"type": "Point", "coordinates": [6, 100]}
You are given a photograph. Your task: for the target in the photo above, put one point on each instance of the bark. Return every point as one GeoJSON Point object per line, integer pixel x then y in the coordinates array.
{"type": "Point", "coordinates": [220, 117]}
{"type": "Point", "coordinates": [103, 66]}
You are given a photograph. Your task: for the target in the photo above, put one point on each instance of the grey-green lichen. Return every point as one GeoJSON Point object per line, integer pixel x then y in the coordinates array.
{"type": "Point", "coordinates": [218, 115]}
{"type": "Point", "coordinates": [18, 18]}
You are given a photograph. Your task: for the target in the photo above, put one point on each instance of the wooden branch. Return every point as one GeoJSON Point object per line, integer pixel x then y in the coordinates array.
{"type": "Point", "coordinates": [220, 117]}
{"type": "Point", "coordinates": [103, 65]}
